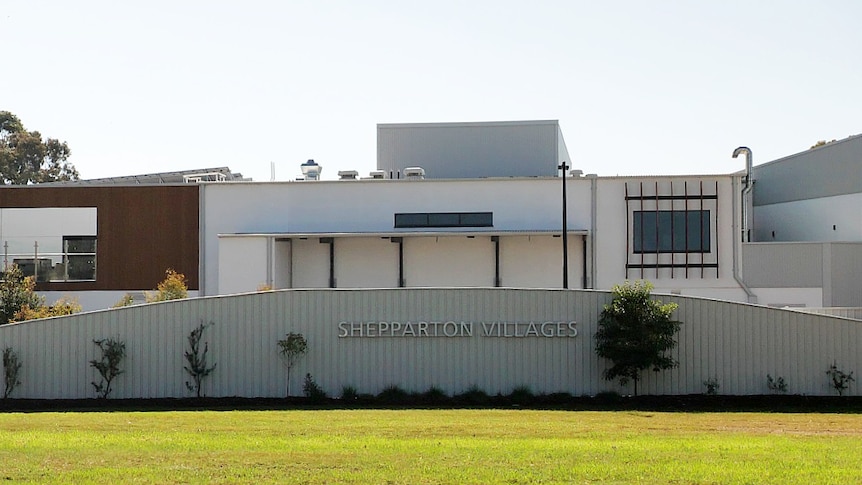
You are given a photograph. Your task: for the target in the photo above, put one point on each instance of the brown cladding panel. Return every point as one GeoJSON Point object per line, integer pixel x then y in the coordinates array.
{"type": "Point", "coordinates": [142, 231]}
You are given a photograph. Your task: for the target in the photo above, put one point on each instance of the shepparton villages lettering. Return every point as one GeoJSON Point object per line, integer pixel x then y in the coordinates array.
{"type": "Point", "coordinates": [454, 329]}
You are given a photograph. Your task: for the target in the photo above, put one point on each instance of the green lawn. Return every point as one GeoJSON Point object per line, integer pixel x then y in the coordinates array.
{"type": "Point", "coordinates": [434, 446]}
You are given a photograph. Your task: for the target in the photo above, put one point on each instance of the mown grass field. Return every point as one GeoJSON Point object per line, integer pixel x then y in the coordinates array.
{"type": "Point", "coordinates": [430, 446]}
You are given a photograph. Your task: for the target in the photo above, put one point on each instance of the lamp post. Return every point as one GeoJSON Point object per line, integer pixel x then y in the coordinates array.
{"type": "Point", "coordinates": [564, 167]}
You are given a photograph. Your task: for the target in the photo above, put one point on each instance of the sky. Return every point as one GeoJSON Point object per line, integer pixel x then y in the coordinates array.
{"type": "Point", "coordinates": [639, 88]}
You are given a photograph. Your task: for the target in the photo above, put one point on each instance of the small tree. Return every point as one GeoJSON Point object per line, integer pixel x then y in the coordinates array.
{"type": "Point", "coordinates": [635, 333]}
{"type": "Point", "coordinates": [113, 352]}
{"type": "Point", "coordinates": [196, 357]}
{"type": "Point", "coordinates": [11, 367]}
{"type": "Point", "coordinates": [173, 287]}
{"type": "Point", "coordinates": [291, 348]}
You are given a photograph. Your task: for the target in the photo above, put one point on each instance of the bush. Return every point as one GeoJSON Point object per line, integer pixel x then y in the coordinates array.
{"type": "Point", "coordinates": [434, 395]}
{"type": "Point", "coordinates": [349, 393]}
{"type": "Point", "coordinates": [712, 384]}
{"type": "Point", "coordinates": [63, 306]}
{"type": "Point", "coordinates": [311, 390]}
{"type": "Point", "coordinates": [776, 385]}
{"type": "Point", "coordinates": [393, 395]}
{"type": "Point", "coordinates": [521, 395]}
{"type": "Point", "coordinates": [126, 300]}
{"type": "Point", "coordinates": [474, 396]}
{"type": "Point", "coordinates": [173, 287]}
{"type": "Point", "coordinates": [16, 292]}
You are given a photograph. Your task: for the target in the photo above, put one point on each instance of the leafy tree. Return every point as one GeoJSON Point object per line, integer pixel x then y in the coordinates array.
{"type": "Point", "coordinates": [291, 348]}
{"type": "Point", "coordinates": [173, 287]}
{"type": "Point", "coordinates": [25, 158]}
{"type": "Point", "coordinates": [635, 332]}
{"type": "Point", "coordinates": [16, 293]}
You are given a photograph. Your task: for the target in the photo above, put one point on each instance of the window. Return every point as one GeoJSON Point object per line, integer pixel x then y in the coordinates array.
{"type": "Point", "coordinates": [671, 231]}
{"type": "Point", "coordinates": [444, 219]}
{"type": "Point", "coordinates": [79, 256]}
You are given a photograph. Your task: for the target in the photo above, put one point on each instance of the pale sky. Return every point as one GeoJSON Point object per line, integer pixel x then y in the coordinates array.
{"type": "Point", "coordinates": [669, 87]}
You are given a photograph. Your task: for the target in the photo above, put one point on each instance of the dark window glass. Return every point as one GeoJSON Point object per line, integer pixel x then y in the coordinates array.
{"type": "Point", "coordinates": [445, 219]}
{"type": "Point", "coordinates": [411, 220]}
{"type": "Point", "coordinates": [671, 231]}
{"type": "Point", "coordinates": [477, 219]}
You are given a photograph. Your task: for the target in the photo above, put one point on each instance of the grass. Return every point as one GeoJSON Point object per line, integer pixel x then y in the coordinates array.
{"type": "Point", "coordinates": [430, 446]}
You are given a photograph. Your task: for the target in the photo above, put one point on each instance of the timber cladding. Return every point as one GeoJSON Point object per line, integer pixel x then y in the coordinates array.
{"type": "Point", "coordinates": [142, 230]}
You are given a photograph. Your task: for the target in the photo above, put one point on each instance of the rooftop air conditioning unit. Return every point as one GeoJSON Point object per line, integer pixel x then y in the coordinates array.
{"type": "Point", "coordinates": [378, 174]}
{"type": "Point", "coordinates": [347, 174]}
{"type": "Point", "coordinates": [311, 170]}
{"type": "Point", "coordinates": [414, 173]}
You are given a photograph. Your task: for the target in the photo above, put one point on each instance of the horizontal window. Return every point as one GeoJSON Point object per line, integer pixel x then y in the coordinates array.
{"type": "Point", "coordinates": [75, 262]}
{"type": "Point", "coordinates": [671, 231]}
{"type": "Point", "coordinates": [444, 219]}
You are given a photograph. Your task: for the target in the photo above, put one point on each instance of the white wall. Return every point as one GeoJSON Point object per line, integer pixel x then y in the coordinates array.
{"type": "Point", "coordinates": [448, 261]}
{"type": "Point", "coordinates": [309, 263]}
{"type": "Point", "coordinates": [365, 262]}
{"type": "Point", "coordinates": [369, 206]}
{"type": "Point", "coordinates": [537, 261]}
{"type": "Point", "coordinates": [736, 343]}
{"type": "Point", "coordinates": [243, 263]}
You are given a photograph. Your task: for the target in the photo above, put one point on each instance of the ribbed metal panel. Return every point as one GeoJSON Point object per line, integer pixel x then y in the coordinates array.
{"type": "Point", "coordinates": [735, 343]}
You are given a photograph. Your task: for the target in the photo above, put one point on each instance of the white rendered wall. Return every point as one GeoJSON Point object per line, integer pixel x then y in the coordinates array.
{"type": "Point", "coordinates": [365, 262]}
{"type": "Point", "coordinates": [242, 264]}
{"type": "Point", "coordinates": [537, 261]}
{"type": "Point", "coordinates": [448, 261]}
{"type": "Point", "coordinates": [369, 206]}
{"type": "Point", "coordinates": [309, 263]}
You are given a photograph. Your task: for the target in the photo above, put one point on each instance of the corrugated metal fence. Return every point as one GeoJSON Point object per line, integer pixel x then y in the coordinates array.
{"type": "Point", "coordinates": [736, 344]}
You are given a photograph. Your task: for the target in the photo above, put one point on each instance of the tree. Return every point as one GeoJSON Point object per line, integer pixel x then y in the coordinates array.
{"type": "Point", "coordinates": [291, 348]}
{"type": "Point", "coordinates": [197, 359]}
{"type": "Point", "coordinates": [635, 332]}
{"type": "Point", "coordinates": [16, 293]}
{"type": "Point", "coordinates": [27, 159]}
{"type": "Point", "coordinates": [173, 287]}
{"type": "Point", "coordinates": [113, 352]}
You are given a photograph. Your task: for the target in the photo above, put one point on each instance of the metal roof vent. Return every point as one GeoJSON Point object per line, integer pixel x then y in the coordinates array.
{"type": "Point", "coordinates": [347, 174]}
{"type": "Point", "coordinates": [378, 174]}
{"type": "Point", "coordinates": [311, 170]}
{"type": "Point", "coordinates": [414, 173]}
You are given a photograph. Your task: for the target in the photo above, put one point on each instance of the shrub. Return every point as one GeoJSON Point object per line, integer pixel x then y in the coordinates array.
{"type": "Point", "coordinates": [196, 357]}
{"type": "Point", "coordinates": [126, 300]}
{"type": "Point", "coordinates": [473, 395]}
{"type": "Point", "coordinates": [349, 393]}
{"type": "Point", "coordinates": [712, 384]}
{"type": "Point", "coordinates": [11, 368]}
{"type": "Point", "coordinates": [521, 395]}
{"type": "Point", "coordinates": [63, 306]}
{"type": "Point", "coordinates": [16, 292]}
{"type": "Point", "coordinates": [113, 352]}
{"type": "Point", "coordinates": [311, 390]}
{"type": "Point", "coordinates": [839, 380]}
{"type": "Point", "coordinates": [393, 395]}
{"type": "Point", "coordinates": [434, 395]}
{"type": "Point", "coordinates": [776, 385]}
{"type": "Point", "coordinates": [173, 287]}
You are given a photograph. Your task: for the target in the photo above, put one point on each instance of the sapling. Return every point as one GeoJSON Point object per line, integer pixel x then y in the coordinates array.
{"type": "Point", "coordinates": [113, 352]}
{"type": "Point", "coordinates": [291, 348]}
{"type": "Point", "coordinates": [196, 357]}
{"type": "Point", "coordinates": [11, 367]}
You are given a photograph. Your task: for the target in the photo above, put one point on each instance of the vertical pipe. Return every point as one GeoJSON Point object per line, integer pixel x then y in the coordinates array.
{"type": "Point", "coordinates": [496, 241]}
{"type": "Point", "coordinates": [564, 167]}
{"type": "Point", "coordinates": [716, 231]}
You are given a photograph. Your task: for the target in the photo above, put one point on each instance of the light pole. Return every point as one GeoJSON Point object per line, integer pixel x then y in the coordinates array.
{"type": "Point", "coordinates": [564, 167]}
